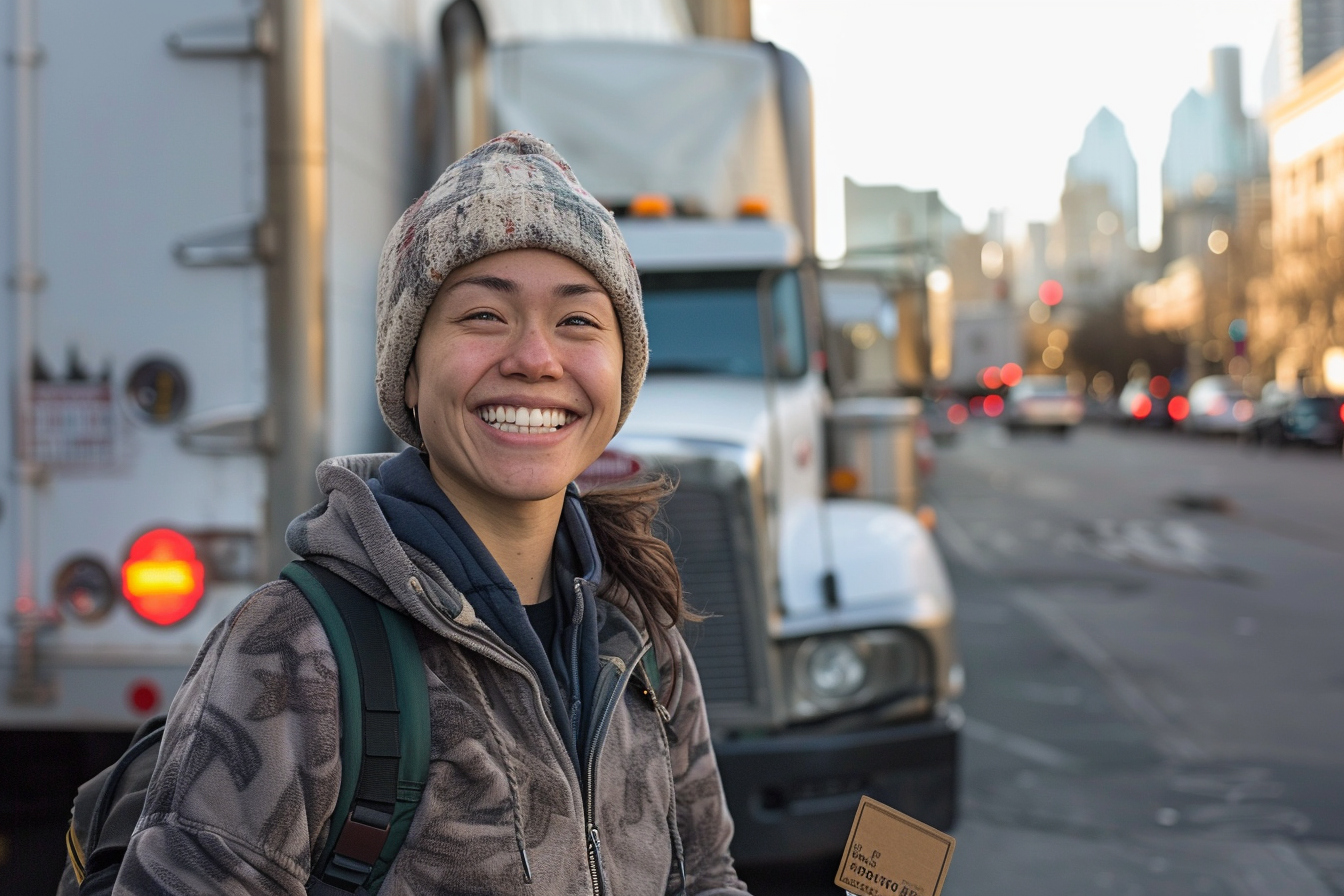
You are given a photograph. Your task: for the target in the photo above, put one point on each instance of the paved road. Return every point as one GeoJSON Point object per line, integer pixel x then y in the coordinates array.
{"type": "Point", "coordinates": [1153, 631]}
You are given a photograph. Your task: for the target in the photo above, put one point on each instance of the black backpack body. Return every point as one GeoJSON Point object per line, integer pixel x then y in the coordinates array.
{"type": "Point", "coordinates": [384, 709]}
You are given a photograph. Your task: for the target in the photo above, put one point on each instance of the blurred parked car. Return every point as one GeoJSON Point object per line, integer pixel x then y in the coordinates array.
{"type": "Point", "coordinates": [1317, 420]}
{"type": "Point", "coordinates": [1217, 405]}
{"type": "Point", "coordinates": [1138, 405]}
{"type": "Point", "coordinates": [1043, 402]}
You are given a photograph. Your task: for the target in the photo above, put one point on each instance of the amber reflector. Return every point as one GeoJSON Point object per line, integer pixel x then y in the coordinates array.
{"type": "Point", "coordinates": [844, 480]}
{"type": "Point", "coordinates": [162, 579]}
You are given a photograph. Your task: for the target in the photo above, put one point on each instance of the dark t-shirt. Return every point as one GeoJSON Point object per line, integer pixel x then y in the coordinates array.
{"type": "Point", "coordinates": [544, 621]}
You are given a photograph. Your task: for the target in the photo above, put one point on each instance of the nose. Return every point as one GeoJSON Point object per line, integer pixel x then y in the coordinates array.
{"type": "Point", "coordinates": [532, 355]}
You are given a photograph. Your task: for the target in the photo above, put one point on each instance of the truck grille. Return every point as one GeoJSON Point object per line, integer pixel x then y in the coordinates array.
{"type": "Point", "coordinates": [701, 537]}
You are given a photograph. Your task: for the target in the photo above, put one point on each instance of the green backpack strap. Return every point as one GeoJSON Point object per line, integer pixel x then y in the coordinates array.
{"type": "Point", "coordinates": [384, 702]}
{"type": "Point", "coordinates": [652, 677]}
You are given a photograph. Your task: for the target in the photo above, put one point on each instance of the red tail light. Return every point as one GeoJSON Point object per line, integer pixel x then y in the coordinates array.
{"type": "Point", "coordinates": [162, 579]}
{"type": "Point", "coordinates": [1178, 408]}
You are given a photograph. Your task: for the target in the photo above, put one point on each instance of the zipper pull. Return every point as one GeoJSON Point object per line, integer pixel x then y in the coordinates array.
{"type": "Point", "coordinates": [599, 876]}
{"type": "Point", "coordinates": [658, 706]}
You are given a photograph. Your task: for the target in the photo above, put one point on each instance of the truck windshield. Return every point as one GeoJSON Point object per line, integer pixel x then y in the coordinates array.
{"type": "Point", "coordinates": [709, 322]}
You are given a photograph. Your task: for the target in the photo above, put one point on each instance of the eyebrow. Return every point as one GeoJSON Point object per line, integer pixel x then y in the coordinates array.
{"type": "Point", "coordinates": [504, 285]}
{"type": "Point", "coordinates": [498, 284]}
{"type": "Point", "coordinates": [570, 290]}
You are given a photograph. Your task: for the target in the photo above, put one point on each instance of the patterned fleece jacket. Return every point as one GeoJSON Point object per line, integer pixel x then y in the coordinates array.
{"type": "Point", "coordinates": [248, 775]}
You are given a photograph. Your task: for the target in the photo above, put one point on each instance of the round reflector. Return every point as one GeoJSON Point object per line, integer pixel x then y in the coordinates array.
{"type": "Point", "coordinates": [143, 696]}
{"type": "Point", "coordinates": [162, 579]}
{"type": "Point", "coordinates": [84, 589]}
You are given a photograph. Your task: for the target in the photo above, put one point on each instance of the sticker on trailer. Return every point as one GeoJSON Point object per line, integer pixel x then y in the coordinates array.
{"type": "Point", "coordinates": [73, 425]}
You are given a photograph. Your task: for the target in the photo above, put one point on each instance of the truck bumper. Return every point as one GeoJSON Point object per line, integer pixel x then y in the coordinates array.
{"type": "Point", "coordinates": [793, 796]}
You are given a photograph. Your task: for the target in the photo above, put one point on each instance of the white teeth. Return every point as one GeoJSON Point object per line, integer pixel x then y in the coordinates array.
{"type": "Point", "coordinates": [526, 420]}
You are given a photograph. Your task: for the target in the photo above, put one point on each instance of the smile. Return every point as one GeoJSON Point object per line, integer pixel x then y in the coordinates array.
{"type": "Point", "coordinates": [526, 420]}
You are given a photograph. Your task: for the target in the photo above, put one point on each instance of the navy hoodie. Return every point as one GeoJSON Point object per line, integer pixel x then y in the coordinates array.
{"type": "Point", "coordinates": [421, 515]}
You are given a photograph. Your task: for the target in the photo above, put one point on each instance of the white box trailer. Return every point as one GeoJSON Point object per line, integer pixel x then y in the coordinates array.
{"type": "Point", "coordinates": [200, 192]}
{"type": "Point", "coordinates": [984, 334]}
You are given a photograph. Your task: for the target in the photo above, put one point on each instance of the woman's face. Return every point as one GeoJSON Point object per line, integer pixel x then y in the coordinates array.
{"type": "Point", "coordinates": [523, 330]}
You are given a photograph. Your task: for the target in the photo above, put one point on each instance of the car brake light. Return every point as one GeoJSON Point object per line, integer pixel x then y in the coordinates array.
{"type": "Point", "coordinates": [1178, 408]}
{"type": "Point", "coordinates": [1141, 407]}
{"type": "Point", "coordinates": [162, 579]}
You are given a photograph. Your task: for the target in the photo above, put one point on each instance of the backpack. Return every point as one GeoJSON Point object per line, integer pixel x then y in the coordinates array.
{"type": "Point", "coordinates": [384, 705]}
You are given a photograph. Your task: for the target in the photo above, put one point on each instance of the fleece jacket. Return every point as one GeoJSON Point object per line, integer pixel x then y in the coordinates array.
{"type": "Point", "coordinates": [247, 779]}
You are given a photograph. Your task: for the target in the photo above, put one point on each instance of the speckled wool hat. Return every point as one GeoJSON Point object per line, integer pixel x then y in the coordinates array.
{"type": "Point", "coordinates": [514, 192]}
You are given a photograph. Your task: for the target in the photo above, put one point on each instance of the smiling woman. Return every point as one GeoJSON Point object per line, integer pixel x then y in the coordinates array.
{"type": "Point", "coordinates": [568, 748]}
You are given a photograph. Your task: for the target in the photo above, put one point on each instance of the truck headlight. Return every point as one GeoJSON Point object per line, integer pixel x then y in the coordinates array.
{"type": "Point", "coordinates": [834, 673]}
{"type": "Point", "coordinates": [835, 669]}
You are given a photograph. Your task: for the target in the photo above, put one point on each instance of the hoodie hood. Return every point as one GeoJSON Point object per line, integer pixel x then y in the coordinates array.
{"type": "Point", "coordinates": [348, 532]}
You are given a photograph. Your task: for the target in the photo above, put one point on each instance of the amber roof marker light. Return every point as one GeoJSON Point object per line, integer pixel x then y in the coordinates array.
{"type": "Point", "coordinates": [651, 205]}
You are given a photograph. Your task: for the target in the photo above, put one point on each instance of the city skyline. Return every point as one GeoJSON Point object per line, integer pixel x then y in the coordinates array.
{"type": "Point", "coordinates": [1008, 97]}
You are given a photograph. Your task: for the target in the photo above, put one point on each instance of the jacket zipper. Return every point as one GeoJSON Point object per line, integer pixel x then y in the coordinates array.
{"type": "Point", "coordinates": [608, 706]}
{"type": "Point", "coordinates": [457, 633]}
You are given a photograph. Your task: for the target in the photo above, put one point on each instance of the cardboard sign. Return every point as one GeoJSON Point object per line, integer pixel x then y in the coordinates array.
{"type": "Point", "coordinates": [891, 854]}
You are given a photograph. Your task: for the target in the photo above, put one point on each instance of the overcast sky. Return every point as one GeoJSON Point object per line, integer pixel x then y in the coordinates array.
{"type": "Point", "coordinates": [987, 99]}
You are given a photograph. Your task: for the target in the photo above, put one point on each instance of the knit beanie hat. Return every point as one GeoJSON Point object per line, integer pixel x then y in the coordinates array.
{"type": "Point", "coordinates": [514, 192]}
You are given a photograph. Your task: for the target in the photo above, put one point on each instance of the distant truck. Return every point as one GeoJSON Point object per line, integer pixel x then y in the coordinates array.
{"type": "Point", "coordinates": [984, 334]}
{"type": "Point", "coordinates": [827, 655]}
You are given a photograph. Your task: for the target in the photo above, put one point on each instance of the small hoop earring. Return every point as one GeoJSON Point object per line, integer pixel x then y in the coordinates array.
{"type": "Point", "coordinates": [415, 415]}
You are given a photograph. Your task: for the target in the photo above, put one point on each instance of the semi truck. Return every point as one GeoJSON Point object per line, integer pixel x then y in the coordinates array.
{"type": "Point", "coordinates": [827, 652]}
{"type": "Point", "coordinates": [200, 193]}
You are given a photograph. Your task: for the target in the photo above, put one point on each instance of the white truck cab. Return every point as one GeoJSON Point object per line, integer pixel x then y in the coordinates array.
{"type": "Point", "coordinates": [827, 652]}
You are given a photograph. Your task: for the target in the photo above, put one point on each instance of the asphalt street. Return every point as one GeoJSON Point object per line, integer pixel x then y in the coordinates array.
{"type": "Point", "coordinates": [1153, 632]}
